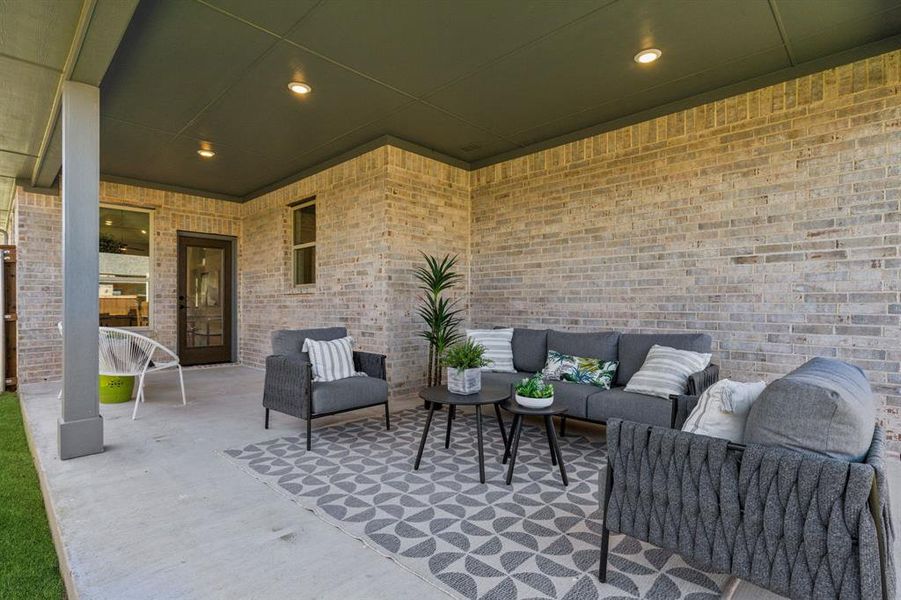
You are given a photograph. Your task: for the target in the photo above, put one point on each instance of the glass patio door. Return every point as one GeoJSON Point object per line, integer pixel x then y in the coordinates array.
{"type": "Point", "coordinates": [204, 300]}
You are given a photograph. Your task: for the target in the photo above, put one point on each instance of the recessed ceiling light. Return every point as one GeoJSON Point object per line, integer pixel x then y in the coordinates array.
{"type": "Point", "coordinates": [648, 56]}
{"type": "Point", "coordinates": [144, 231]}
{"type": "Point", "coordinates": [299, 87]}
{"type": "Point", "coordinates": [107, 222]}
{"type": "Point", "coordinates": [206, 153]}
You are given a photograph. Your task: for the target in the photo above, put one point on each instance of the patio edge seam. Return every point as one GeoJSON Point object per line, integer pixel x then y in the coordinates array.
{"type": "Point", "coordinates": [49, 507]}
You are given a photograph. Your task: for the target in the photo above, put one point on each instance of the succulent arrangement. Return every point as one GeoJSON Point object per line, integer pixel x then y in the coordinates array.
{"type": "Point", "coordinates": [466, 355]}
{"type": "Point", "coordinates": [535, 387]}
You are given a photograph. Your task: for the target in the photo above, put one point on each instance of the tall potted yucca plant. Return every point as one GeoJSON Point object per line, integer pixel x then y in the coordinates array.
{"type": "Point", "coordinates": [439, 313]}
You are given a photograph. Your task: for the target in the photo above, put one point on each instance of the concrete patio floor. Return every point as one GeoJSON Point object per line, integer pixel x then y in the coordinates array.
{"type": "Point", "coordinates": [162, 514]}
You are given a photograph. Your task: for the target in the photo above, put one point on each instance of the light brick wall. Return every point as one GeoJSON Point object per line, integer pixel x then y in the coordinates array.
{"type": "Point", "coordinates": [351, 245]}
{"type": "Point", "coordinates": [769, 220]}
{"type": "Point", "coordinates": [39, 276]}
{"type": "Point", "coordinates": [374, 214]}
{"type": "Point", "coordinates": [39, 287]}
{"type": "Point", "coordinates": [428, 211]}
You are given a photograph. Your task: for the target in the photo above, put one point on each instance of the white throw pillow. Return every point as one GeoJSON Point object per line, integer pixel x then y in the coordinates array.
{"type": "Point", "coordinates": [722, 410]}
{"type": "Point", "coordinates": [498, 348]}
{"type": "Point", "coordinates": [666, 370]}
{"type": "Point", "coordinates": [332, 359]}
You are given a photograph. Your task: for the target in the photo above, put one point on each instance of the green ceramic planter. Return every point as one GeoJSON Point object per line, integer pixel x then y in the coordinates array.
{"type": "Point", "coordinates": [115, 390]}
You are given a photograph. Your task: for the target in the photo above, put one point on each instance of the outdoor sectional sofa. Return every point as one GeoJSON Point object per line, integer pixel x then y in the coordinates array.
{"type": "Point", "coordinates": [590, 403]}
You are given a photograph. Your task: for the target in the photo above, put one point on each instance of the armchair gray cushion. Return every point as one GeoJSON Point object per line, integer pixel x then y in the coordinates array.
{"type": "Point", "coordinates": [290, 341]}
{"type": "Point", "coordinates": [634, 347]}
{"type": "Point", "coordinates": [529, 349]}
{"type": "Point", "coordinates": [616, 403]}
{"type": "Point", "coordinates": [600, 344]}
{"type": "Point", "coordinates": [823, 407]}
{"type": "Point", "coordinates": [344, 394]}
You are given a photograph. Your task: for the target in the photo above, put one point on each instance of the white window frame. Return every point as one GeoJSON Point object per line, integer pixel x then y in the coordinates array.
{"type": "Point", "coordinates": [151, 315]}
{"type": "Point", "coordinates": [295, 247]}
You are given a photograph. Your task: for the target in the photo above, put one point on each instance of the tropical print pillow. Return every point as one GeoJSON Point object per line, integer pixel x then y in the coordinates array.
{"type": "Point", "coordinates": [592, 371]}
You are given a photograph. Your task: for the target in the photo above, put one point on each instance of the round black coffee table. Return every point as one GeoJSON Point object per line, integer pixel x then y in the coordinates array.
{"type": "Point", "coordinates": [440, 395]}
{"type": "Point", "coordinates": [519, 412]}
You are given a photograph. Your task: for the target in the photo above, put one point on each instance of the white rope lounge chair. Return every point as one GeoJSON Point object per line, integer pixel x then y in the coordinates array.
{"type": "Point", "coordinates": [126, 353]}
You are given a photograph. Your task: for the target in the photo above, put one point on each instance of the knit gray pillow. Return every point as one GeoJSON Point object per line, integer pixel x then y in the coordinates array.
{"type": "Point", "coordinates": [824, 407]}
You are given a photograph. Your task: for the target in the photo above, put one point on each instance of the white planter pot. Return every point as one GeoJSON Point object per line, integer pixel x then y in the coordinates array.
{"type": "Point", "coordinates": [466, 382]}
{"type": "Point", "coordinates": [534, 402]}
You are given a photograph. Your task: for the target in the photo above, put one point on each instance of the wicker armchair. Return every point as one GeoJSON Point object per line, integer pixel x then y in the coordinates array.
{"type": "Point", "coordinates": [801, 526]}
{"type": "Point", "coordinates": [289, 387]}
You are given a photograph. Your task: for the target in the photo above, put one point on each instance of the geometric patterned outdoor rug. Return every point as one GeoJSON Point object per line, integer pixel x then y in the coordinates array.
{"type": "Point", "coordinates": [532, 539]}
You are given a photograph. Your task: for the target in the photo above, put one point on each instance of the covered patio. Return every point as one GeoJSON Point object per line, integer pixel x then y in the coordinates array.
{"type": "Point", "coordinates": [163, 513]}
{"type": "Point", "coordinates": [660, 242]}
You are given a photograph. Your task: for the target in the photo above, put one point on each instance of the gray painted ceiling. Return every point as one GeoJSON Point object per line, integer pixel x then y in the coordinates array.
{"type": "Point", "coordinates": [474, 80]}
{"type": "Point", "coordinates": [42, 44]}
{"type": "Point", "coordinates": [34, 42]}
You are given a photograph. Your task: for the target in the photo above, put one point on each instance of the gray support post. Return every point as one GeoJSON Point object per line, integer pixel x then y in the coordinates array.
{"type": "Point", "coordinates": [80, 429]}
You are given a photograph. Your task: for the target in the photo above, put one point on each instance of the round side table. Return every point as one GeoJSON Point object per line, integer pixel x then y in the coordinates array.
{"type": "Point", "coordinates": [548, 414]}
{"type": "Point", "coordinates": [440, 395]}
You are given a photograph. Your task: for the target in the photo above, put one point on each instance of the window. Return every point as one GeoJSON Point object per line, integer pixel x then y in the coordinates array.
{"type": "Point", "coordinates": [125, 236]}
{"type": "Point", "coordinates": [304, 241]}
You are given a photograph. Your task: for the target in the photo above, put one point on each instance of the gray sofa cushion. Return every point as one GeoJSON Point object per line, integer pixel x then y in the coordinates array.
{"type": "Point", "coordinates": [600, 344]}
{"type": "Point", "coordinates": [572, 396]}
{"type": "Point", "coordinates": [353, 392]}
{"type": "Point", "coordinates": [504, 380]}
{"type": "Point", "coordinates": [616, 403]}
{"type": "Point", "coordinates": [824, 407]}
{"type": "Point", "coordinates": [634, 347]}
{"type": "Point", "coordinates": [529, 349]}
{"type": "Point", "coordinates": [290, 341]}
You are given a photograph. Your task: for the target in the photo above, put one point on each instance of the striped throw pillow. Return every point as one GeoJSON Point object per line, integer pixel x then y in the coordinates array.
{"type": "Point", "coordinates": [332, 360]}
{"type": "Point", "coordinates": [498, 348]}
{"type": "Point", "coordinates": [665, 371]}
{"type": "Point", "coordinates": [722, 410]}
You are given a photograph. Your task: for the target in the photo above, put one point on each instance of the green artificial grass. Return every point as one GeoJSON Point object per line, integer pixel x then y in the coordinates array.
{"type": "Point", "coordinates": [28, 564]}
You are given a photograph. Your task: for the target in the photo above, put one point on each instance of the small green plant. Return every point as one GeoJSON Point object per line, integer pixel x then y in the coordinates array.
{"type": "Point", "coordinates": [535, 387]}
{"type": "Point", "coordinates": [466, 355]}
